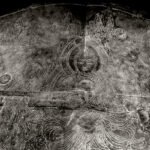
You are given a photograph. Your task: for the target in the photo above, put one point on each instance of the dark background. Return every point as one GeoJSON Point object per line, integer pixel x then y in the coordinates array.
{"type": "Point", "coordinates": [8, 6]}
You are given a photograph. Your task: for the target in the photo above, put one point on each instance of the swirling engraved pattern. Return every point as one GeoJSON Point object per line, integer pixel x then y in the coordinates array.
{"type": "Point", "coordinates": [53, 130]}
{"type": "Point", "coordinates": [63, 87]}
{"type": "Point", "coordinates": [94, 130]}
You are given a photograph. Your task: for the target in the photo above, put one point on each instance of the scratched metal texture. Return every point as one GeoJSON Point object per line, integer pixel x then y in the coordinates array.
{"type": "Point", "coordinates": [74, 77]}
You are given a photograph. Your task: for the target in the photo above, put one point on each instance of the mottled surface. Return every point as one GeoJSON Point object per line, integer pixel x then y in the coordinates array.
{"type": "Point", "coordinates": [74, 81]}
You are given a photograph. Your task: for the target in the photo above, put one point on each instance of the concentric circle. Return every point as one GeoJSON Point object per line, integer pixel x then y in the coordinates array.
{"type": "Point", "coordinates": [78, 58]}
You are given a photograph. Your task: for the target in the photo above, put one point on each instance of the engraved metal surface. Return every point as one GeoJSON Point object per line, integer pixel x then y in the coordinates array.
{"type": "Point", "coordinates": [74, 81]}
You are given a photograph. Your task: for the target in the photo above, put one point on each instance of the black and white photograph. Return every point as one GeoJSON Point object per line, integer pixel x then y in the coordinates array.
{"type": "Point", "coordinates": [74, 75]}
